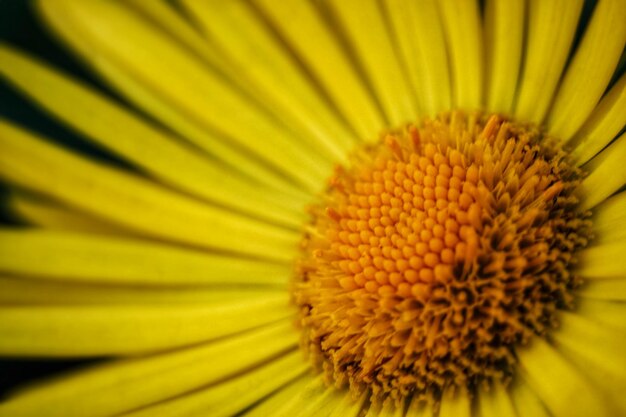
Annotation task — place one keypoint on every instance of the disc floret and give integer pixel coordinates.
(436, 253)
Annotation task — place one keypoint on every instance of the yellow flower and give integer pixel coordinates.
(436, 185)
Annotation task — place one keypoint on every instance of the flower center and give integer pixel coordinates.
(436, 253)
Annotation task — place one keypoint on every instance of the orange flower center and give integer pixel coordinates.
(436, 253)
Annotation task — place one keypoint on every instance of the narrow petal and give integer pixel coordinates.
(420, 409)
(455, 404)
(48, 214)
(278, 398)
(229, 397)
(461, 21)
(309, 394)
(609, 220)
(419, 30)
(496, 403)
(29, 161)
(590, 70)
(603, 261)
(367, 33)
(302, 27)
(95, 330)
(275, 77)
(113, 260)
(139, 382)
(135, 45)
(324, 404)
(551, 29)
(606, 121)
(588, 344)
(504, 35)
(526, 402)
(609, 313)
(117, 129)
(560, 385)
(29, 291)
(390, 410)
(349, 407)
(604, 289)
(607, 174)
(159, 107)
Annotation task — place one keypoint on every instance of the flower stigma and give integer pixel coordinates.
(437, 253)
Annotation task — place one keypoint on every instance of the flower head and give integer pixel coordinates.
(336, 208)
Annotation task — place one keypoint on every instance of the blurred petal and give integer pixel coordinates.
(304, 30)
(98, 330)
(115, 128)
(462, 25)
(234, 395)
(590, 70)
(558, 383)
(603, 261)
(85, 258)
(136, 47)
(605, 122)
(496, 403)
(367, 33)
(504, 36)
(419, 31)
(607, 174)
(138, 382)
(124, 198)
(550, 31)
(526, 402)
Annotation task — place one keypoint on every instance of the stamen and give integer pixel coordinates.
(437, 253)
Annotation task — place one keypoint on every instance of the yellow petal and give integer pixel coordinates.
(455, 404)
(599, 352)
(229, 397)
(95, 330)
(609, 313)
(389, 409)
(419, 31)
(124, 385)
(117, 129)
(114, 260)
(605, 122)
(324, 404)
(309, 394)
(159, 107)
(364, 25)
(132, 201)
(420, 409)
(526, 402)
(133, 44)
(609, 220)
(32, 291)
(607, 174)
(461, 21)
(603, 261)
(275, 78)
(590, 70)
(496, 403)
(349, 407)
(277, 399)
(558, 383)
(551, 29)
(604, 289)
(504, 34)
(51, 215)
(304, 30)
